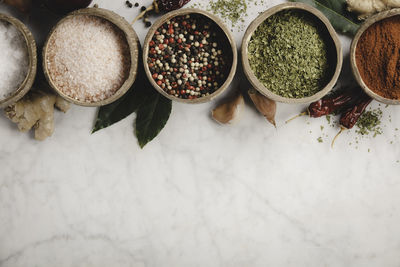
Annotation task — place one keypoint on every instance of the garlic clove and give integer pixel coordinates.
(264, 105)
(228, 112)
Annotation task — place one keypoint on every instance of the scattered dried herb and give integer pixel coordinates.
(233, 10)
(369, 123)
(288, 54)
(328, 118)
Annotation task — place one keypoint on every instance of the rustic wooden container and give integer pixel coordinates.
(218, 22)
(132, 40)
(369, 22)
(26, 85)
(332, 35)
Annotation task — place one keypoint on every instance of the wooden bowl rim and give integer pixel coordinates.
(216, 20)
(26, 85)
(368, 23)
(258, 85)
(131, 38)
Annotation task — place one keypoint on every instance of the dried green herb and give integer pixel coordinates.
(369, 123)
(233, 10)
(320, 140)
(288, 54)
(328, 118)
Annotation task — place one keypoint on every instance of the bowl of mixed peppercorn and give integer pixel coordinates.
(190, 56)
(292, 54)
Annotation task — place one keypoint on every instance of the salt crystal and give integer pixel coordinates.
(88, 58)
(14, 59)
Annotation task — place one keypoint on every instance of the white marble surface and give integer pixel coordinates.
(200, 194)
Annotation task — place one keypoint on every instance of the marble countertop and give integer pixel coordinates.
(200, 194)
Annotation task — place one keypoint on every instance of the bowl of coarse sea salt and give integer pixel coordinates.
(90, 57)
(18, 60)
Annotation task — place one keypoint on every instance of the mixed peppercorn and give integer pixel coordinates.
(187, 57)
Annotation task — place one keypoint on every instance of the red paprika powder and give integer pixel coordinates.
(378, 57)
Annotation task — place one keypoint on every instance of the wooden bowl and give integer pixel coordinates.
(26, 85)
(331, 34)
(372, 20)
(133, 43)
(218, 22)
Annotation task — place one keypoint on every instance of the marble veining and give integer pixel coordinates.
(200, 194)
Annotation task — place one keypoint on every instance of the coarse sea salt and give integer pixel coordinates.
(14, 59)
(88, 58)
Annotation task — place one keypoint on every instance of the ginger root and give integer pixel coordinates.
(227, 113)
(36, 110)
(366, 8)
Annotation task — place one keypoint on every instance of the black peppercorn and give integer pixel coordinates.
(129, 4)
(143, 8)
(136, 4)
(148, 24)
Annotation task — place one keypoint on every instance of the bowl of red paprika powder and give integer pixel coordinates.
(190, 56)
(375, 57)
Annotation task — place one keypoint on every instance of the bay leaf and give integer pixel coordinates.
(152, 116)
(335, 11)
(123, 107)
(126, 105)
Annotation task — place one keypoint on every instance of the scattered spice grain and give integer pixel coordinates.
(128, 4)
(88, 58)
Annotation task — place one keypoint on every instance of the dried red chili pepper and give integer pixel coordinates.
(330, 103)
(162, 6)
(350, 117)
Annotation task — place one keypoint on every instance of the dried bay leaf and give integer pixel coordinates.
(152, 116)
(335, 11)
(123, 107)
(153, 110)
(127, 104)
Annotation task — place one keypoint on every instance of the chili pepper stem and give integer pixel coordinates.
(141, 15)
(334, 139)
(297, 116)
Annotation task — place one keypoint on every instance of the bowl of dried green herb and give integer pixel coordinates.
(292, 54)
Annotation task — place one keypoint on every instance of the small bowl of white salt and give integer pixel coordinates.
(18, 60)
(90, 57)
